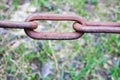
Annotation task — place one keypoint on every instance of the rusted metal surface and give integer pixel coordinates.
(55, 17)
(20, 25)
(100, 28)
(80, 26)
(97, 24)
(53, 35)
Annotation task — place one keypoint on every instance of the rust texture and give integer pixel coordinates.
(19, 25)
(80, 26)
(98, 28)
(53, 35)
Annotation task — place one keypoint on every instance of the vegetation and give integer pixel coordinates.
(92, 57)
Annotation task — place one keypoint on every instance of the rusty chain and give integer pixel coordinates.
(80, 26)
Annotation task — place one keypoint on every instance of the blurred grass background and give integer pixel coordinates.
(92, 57)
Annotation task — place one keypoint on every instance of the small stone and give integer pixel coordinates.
(110, 62)
(46, 69)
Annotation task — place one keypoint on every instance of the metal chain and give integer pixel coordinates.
(80, 26)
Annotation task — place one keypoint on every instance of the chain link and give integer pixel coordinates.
(19, 25)
(80, 26)
(98, 27)
(54, 35)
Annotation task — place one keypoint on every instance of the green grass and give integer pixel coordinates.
(115, 70)
(117, 15)
(40, 4)
(79, 7)
(90, 50)
(93, 1)
(15, 4)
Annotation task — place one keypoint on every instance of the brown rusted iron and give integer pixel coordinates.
(109, 24)
(80, 26)
(98, 27)
(19, 25)
(53, 35)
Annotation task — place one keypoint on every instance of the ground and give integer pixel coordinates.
(91, 57)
